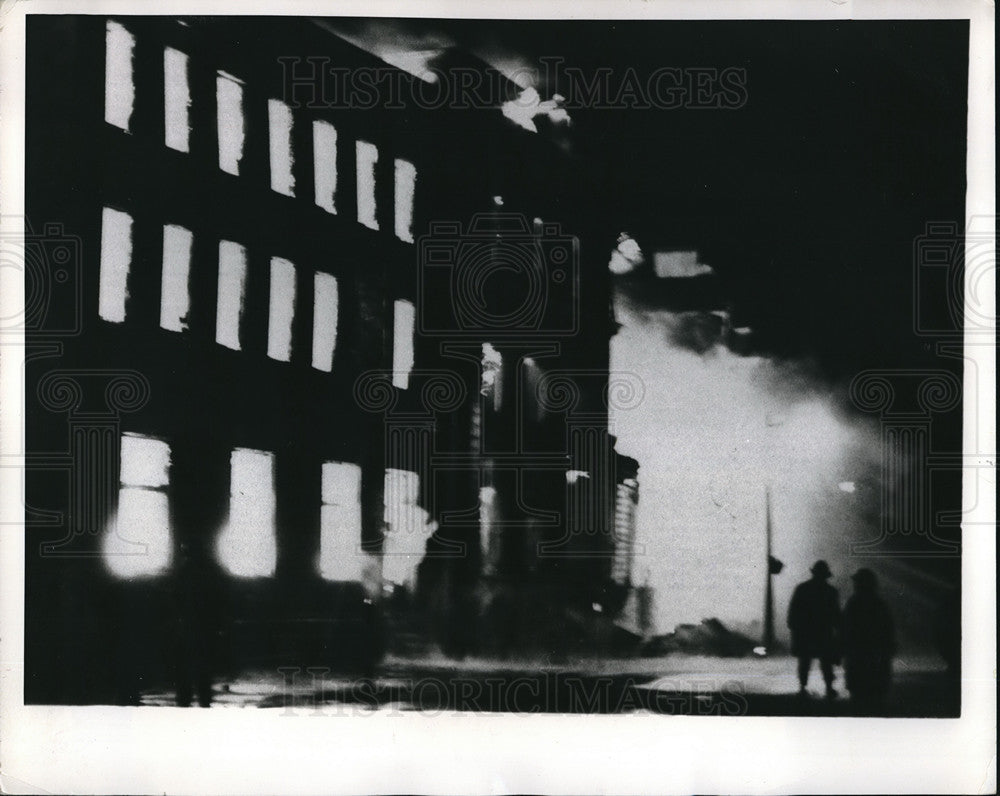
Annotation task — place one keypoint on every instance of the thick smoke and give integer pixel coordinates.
(719, 426)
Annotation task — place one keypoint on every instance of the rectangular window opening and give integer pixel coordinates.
(175, 298)
(487, 527)
(406, 185)
(247, 546)
(325, 309)
(231, 121)
(280, 127)
(367, 158)
(176, 100)
(491, 381)
(116, 259)
(137, 542)
(402, 343)
(532, 378)
(119, 79)
(232, 286)
(325, 165)
(407, 526)
(282, 310)
(340, 556)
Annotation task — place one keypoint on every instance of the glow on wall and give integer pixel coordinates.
(247, 546)
(340, 556)
(137, 541)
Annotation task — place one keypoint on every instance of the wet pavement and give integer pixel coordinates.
(674, 685)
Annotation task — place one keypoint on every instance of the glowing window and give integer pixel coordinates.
(137, 541)
(231, 123)
(247, 546)
(367, 158)
(119, 84)
(232, 283)
(406, 185)
(402, 343)
(116, 259)
(532, 378)
(324, 321)
(325, 164)
(174, 295)
(282, 310)
(340, 556)
(491, 381)
(408, 526)
(626, 497)
(176, 100)
(487, 526)
(280, 126)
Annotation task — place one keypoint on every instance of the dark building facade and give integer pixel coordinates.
(322, 371)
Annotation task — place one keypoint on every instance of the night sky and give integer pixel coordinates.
(806, 199)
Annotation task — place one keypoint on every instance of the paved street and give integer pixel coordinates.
(678, 685)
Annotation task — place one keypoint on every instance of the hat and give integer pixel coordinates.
(864, 577)
(821, 569)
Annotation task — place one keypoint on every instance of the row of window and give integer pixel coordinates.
(138, 541)
(175, 298)
(119, 101)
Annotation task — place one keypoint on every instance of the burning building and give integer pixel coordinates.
(310, 359)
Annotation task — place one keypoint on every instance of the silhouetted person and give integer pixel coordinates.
(814, 619)
(198, 595)
(869, 644)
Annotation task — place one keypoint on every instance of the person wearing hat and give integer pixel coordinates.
(814, 621)
(869, 644)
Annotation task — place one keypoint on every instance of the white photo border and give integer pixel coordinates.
(118, 749)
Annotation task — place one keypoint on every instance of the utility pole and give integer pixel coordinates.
(768, 594)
